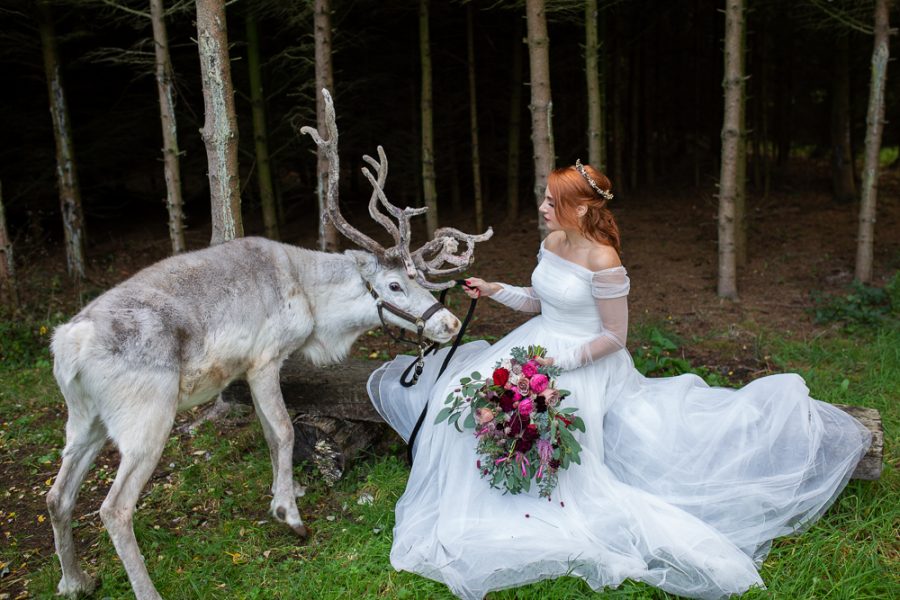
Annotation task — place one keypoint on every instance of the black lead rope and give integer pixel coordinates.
(432, 348)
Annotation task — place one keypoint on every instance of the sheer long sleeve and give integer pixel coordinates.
(610, 290)
(518, 298)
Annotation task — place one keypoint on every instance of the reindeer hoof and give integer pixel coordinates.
(75, 586)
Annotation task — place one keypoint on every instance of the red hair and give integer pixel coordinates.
(571, 190)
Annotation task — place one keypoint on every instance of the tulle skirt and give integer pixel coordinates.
(681, 485)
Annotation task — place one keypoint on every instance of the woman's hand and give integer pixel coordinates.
(476, 288)
(546, 362)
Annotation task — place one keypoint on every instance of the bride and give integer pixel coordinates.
(681, 485)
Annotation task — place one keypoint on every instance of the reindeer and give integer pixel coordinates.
(178, 332)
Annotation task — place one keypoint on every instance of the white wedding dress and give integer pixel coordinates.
(681, 485)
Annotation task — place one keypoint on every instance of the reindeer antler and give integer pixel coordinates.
(425, 261)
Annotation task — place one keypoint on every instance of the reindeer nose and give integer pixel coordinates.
(451, 324)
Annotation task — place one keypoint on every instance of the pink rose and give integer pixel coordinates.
(539, 383)
(524, 385)
(484, 415)
(530, 369)
(525, 407)
(551, 396)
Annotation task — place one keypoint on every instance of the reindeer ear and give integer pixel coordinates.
(366, 262)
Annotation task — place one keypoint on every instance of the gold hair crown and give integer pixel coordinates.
(604, 193)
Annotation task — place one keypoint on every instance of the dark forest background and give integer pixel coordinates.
(665, 57)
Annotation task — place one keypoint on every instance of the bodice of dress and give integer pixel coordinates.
(569, 293)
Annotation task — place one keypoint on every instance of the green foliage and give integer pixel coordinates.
(25, 344)
(888, 155)
(861, 306)
(656, 357)
(203, 528)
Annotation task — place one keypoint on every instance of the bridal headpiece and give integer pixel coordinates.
(603, 193)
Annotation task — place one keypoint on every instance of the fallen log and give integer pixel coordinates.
(335, 416)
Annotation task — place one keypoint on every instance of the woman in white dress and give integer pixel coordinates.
(681, 485)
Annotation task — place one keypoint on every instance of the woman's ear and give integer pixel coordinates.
(581, 210)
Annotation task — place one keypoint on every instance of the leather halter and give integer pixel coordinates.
(420, 342)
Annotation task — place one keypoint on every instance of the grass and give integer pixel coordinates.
(203, 528)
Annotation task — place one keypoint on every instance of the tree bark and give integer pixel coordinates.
(260, 131)
(740, 197)
(635, 112)
(165, 86)
(842, 181)
(66, 172)
(220, 133)
(874, 125)
(328, 235)
(515, 127)
(7, 264)
(618, 114)
(473, 119)
(592, 71)
(650, 85)
(427, 111)
(731, 137)
(541, 101)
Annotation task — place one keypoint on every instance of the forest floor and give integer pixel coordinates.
(800, 244)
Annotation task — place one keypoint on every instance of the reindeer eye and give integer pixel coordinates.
(395, 287)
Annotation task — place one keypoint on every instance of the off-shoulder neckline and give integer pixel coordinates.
(575, 264)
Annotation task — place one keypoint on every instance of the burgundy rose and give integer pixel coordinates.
(523, 445)
(531, 432)
(514, 425)
(500, 376)
(507, 400)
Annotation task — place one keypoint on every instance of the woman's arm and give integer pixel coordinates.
(610, 290)
(517, 298)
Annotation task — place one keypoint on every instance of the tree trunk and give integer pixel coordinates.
(541, 101)
(618, 106)
(874, 125)
(66, 173)
(843, 184)
(592, 71)
(7, 264)
(220, 133)
(635, 125)
(473, 113)
(427, 109)
(650, 84)
(740, 197)
(515, 127)
(260, 135)
(731, 138)
(328, 235)
(165, 86)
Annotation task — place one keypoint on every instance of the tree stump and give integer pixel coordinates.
(335, 421)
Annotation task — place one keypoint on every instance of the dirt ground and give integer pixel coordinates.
(799, 242)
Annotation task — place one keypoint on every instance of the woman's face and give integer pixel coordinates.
(548, 211)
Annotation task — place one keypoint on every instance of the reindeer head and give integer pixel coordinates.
(396, 276)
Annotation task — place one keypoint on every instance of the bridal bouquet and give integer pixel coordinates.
(523, 433)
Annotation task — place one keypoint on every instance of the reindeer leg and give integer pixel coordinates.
(84, 439)
(141, 443)
(276, 424)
